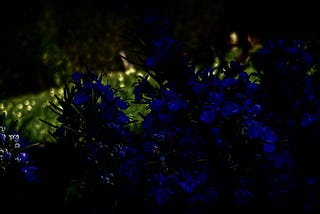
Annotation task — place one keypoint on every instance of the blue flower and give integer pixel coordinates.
(122, 104)
(80, 99)
(254, 129)
(283, 160)
(149, 146)
(268, 135)
(312, 180)
(138, 93)
(157, 105)
(164, 43)
(3, 137)
(188, 186)
(243, 76)
(252, 88)
(227, 82)
(122, 118)
(209, 196)
(229, 108)
(255, 110)
(208, 115)
(215, 98)
(164, 118)
(268, 147)
(101, 87)
(197, 88)
(77, 76)
(30, 173)
(109, 96)
(161, 196)
(147, 122)
(307, 120)
(243, 197)
(131, 170)
(177, 105)
(151, 61)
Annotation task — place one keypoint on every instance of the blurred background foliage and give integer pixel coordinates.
(44, 42)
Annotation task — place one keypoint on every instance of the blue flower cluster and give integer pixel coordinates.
(94, 125)
(188, 138)
(14, 156)
(212, 139)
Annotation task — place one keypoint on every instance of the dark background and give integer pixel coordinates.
(42, 42)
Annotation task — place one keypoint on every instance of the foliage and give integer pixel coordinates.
(25, 111)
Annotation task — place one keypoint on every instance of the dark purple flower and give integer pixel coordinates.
(243, 76)
(164, 118)
(122, 118)
(209, 196)
(215, 98)
(243, 197)
(149, 146)
(229, 108)
(77, 76)
(122, 104)
(306, 120)
(269, 147)
(252, 88)
(268, 135)
(157, 105)
(80, 99)
(151, 61)
(177, 105)
(161, 196)
(208, 115)
(227, 82)
(30, 173)
(254, 129)
(101, 88)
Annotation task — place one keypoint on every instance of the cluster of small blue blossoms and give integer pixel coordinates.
(213, 147)
(188, 137)
(93, 124)
(9, 145)
(213, 138)
(13, 156)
